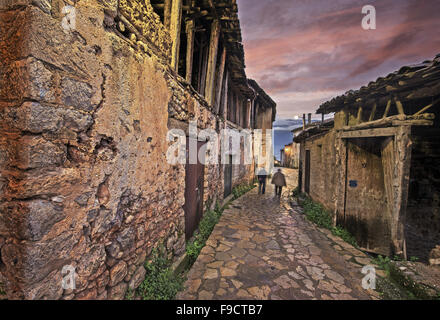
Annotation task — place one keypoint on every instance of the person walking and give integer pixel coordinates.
(279, 180)
(262, 177)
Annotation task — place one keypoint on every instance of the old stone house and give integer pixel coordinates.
(376, 165)
(88, 92)
(290, 155)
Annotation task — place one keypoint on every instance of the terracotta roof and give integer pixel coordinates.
(314, 129)
(409, 83)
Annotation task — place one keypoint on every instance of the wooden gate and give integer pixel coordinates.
(194, 191)
(228, 177)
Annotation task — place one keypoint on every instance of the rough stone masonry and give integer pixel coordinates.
(84, 115)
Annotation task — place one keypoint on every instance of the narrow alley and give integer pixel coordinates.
(263, 249)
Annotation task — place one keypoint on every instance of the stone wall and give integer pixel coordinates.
(322, 169)
(84, 180)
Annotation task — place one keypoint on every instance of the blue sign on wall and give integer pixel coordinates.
(353, 183)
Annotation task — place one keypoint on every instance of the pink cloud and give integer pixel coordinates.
(299, 47)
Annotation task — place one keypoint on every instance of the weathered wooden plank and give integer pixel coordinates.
(401, 186)
(412, 123)
(167, 13)
(373, 113)
(369, 133)
(427, 107)
(175, 28)
(393, 120)
(388, 165)
(190, 32)
(387, 109)
(225, 105)
(399, 106)
(219, 81)
(212, 61)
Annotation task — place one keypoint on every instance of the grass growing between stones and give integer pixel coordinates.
(242, 190)
(2, 291)
(400, 286)
(317, 214)
(160, 282)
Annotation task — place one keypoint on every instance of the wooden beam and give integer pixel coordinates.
(219, 82)
(373, 113)
(190, 32)
(388, 165)
(237, 110)
(427, 107)
(212, 61)
(412, 123)
(399, 106)
(387, 109)
(397, 120)
(359, 115)
(167, 14)
(225, 97)
(369, 133)
(403, 148)
(175, 26)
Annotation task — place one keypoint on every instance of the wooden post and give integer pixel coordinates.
(225, 97)
(167, 13)
(237, 109)
(309, 118)
(322, 117)
(387, 109)
(190, 32)
(304, 121)
(373, 113)
(341, 180)
(399, 106)
(175, 26)
(248, 113)
(403, 165)
(359, 115)
(212, 61)
(219, 82)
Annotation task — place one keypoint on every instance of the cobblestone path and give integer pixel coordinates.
(263, 249)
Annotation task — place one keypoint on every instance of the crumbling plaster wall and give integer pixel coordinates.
(84, 180)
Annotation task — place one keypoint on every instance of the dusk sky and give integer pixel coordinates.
(304, 53)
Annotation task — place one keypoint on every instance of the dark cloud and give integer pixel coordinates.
(305, 52)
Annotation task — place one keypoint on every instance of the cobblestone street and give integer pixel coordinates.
(263, 249)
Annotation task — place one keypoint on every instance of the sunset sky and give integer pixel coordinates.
(306, 52)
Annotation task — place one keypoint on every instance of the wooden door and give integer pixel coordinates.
(228, 177)
(366, 208)
(194, 192)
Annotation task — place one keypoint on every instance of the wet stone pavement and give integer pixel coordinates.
(263, 249)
